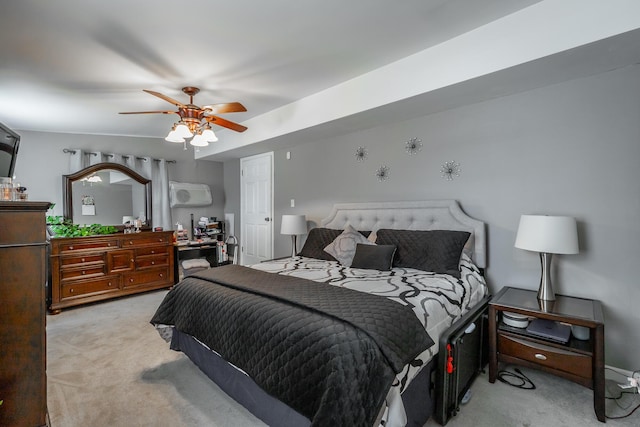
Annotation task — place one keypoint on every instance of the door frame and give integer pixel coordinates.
(270, 155)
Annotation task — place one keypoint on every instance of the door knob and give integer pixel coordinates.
(267, 219)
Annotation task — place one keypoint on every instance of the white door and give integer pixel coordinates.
(256, 207)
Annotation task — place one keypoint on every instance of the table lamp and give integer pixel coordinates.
(547, 235)
(293, 225)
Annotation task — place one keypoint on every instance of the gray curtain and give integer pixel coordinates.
(154, 169)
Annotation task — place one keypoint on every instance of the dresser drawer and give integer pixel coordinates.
(132, 242)
(84, 271)
(151, 261)
(85, 245)
(147, 278)
(544, 355)
(154, 250)
(88, 287)
(81, 259)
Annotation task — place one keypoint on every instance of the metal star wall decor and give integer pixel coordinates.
(450, 170)
(413, 146)
(361, 154)
(382, 173)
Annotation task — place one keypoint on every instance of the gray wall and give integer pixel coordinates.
(568, 149)
(41, 164)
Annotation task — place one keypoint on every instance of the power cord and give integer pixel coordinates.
(635, 375)
(516, 379)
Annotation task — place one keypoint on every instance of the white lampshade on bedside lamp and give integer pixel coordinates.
(293, 225)
(548, 235)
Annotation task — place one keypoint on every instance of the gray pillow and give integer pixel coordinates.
(435, 250)
(317, 239)
(343, 247)
(374, 257)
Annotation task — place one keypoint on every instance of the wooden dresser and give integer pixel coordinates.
(95, 268)
(23, 248)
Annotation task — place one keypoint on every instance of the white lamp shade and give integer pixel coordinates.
(199, 141)
(183, 131)
(549, 234)
(209, 135)
(293, 224)
(174, 137)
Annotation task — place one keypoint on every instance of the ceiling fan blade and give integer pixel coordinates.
(225, 123)
(148, 112)
(229, 107)
(165, 97)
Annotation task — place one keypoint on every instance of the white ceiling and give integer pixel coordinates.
(71, 65)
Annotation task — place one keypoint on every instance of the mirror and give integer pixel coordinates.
(105, 193)
(9, 141)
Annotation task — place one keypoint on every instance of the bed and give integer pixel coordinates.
(345, 333)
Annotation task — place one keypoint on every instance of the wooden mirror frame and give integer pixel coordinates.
(68, 180)
(10, 148)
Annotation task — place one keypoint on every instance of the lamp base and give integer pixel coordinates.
(294, 245)
(545, 292)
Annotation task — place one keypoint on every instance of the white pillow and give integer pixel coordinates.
(195, 263)
(343, 247)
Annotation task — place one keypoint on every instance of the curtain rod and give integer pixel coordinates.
(70, 151)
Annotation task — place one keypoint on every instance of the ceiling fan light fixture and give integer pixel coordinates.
(199, 141)
(195, 120)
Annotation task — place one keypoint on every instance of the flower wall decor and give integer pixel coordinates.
(413, 146)
(361, 154)
(382, 173)
(450, 170)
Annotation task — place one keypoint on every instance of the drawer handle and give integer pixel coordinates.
(153, 252)
(108, 244)
(131, 280)
(131, 242)
(71, 290)
(82, 259)
(161, 275)
(540, 356)
(70, 248)
(84, 272)
(131, 260)
(110, 284)
(153, 263)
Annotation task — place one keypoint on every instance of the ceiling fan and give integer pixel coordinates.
(195, 121)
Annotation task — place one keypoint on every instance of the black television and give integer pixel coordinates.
(9, 142)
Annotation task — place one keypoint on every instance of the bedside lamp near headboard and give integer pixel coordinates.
(547, 235)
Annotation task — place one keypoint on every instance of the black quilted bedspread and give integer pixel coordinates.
(330, 353)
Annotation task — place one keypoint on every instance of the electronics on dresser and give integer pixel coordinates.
(548, 329)
(515, 320)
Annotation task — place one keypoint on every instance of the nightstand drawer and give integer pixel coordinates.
(544, 355)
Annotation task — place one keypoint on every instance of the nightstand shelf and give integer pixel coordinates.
(578, 361)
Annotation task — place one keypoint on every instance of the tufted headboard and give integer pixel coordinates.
(411, 215)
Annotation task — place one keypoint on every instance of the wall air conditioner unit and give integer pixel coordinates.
(183, 194)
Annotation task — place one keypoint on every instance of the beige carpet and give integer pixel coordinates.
(107, 366)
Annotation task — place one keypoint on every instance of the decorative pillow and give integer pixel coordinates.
(343, 248)
(317, 240)
(434, 250)
(374, 257)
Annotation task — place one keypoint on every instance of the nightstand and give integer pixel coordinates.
(578, 361)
